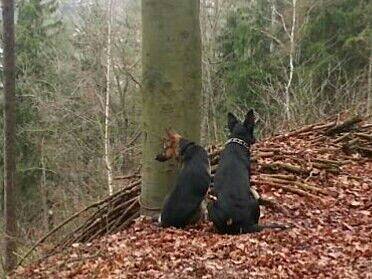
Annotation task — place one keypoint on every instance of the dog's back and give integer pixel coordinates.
(235, 210)
(182, 206)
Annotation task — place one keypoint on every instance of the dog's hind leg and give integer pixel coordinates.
(198, 215)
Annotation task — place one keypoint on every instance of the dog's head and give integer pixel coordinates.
(243, 131)
(171, 145)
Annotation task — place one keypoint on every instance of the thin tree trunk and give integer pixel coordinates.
(369, 89)
(123, 124)
(273, 22)
(107, 105)
(43, 190)
(206, 74)
(291, 57)
(171, 88)
(215, 127)
(205, 130)
(10, 232)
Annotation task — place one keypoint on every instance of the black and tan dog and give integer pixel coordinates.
(235, 209)
(182, 206)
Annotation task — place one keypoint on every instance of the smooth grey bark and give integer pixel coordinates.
(171, 88)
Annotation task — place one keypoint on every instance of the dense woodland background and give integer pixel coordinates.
(294, 61)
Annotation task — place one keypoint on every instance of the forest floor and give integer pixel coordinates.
(331, 235)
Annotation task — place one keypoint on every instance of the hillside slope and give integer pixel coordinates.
(322, 177)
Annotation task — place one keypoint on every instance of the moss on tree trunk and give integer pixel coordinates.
(171, 88)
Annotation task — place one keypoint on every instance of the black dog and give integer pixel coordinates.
(236, 210)
(182, 206)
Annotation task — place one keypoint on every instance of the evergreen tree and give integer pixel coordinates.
(35, 28)
(8, 63)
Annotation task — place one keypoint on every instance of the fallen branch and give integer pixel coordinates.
(342, 138)
(280, 176)
(287, 188)
(273, 205)
(298, 184)
(54, 230)
(332, 162)
(365, 151)
(286, 166)
(364, 136)
(329, 167)
(127, 176)
(344, 126)
(315, 189)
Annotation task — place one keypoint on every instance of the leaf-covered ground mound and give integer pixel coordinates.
(322, 178)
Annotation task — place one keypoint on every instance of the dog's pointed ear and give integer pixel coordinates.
(249, 119)
(231, 121)
(172, 135)
(169, 133)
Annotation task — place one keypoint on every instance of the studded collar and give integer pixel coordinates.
(238, 141)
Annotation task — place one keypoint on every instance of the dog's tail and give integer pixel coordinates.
(260, 227)
(273, 205)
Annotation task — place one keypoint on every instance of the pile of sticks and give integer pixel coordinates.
(287, 161)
